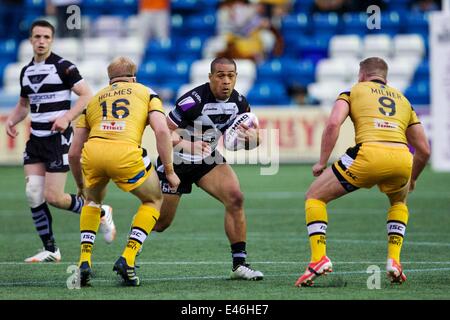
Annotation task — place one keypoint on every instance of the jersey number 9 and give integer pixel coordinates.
(389, 104)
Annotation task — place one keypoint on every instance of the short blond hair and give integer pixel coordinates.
(121, 67)
(374, 66)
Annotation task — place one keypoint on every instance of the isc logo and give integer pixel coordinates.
(135, 233)
(396, 227)
(88, 236)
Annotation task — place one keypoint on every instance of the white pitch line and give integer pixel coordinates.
(36, 283)
(218, 262)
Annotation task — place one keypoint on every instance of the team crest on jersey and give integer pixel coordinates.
(112, 125)
(186, 103)
(36, 76)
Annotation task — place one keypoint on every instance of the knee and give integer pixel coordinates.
(34, 190)
(235, 200)
(56, 199)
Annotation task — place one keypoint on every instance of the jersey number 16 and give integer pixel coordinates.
(119, 109)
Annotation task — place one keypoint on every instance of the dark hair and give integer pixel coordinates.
(42, 23)
(222, 60)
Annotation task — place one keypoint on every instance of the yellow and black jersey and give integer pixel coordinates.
(120, 112)
(379, 112)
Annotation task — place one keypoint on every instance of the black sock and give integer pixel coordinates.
(77, 203)
(238, 253)
(43, 223)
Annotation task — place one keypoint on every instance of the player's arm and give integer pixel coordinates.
(330, 134)
(84, 93)
(181, 144)
(19, 113)
(79, 138)
(415, 134)
(157, 121)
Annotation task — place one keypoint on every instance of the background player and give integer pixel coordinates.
(107, 139)
(384, 123)
(204, 113)
(46, 85)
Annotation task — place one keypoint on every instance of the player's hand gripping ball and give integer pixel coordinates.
(231, 139)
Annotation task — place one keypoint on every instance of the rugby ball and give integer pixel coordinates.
(230, 139)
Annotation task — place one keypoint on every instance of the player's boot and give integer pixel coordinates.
(314, 270)
(107, 226)
(244, 272)
(85, 274)
(127, 273)
(395, 271)
(45, 256)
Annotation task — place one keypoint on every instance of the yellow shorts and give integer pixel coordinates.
(126, 164)
(372, 163)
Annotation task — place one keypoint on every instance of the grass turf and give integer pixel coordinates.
(192, 260)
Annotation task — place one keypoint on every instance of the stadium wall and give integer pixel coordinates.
(289, 135)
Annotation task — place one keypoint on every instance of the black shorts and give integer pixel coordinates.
(188, 173)
(52, 151)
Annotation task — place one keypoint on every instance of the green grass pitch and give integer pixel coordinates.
(191, 260)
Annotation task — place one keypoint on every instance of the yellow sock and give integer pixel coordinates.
(143, 222)
(316, 222)
(89, 223)
(397, 220)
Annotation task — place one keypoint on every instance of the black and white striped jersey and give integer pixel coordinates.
(48, 86)
(205, 118)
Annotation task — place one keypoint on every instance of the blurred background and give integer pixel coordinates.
(294, 56)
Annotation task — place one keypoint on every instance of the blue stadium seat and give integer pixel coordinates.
(158, 49)
(201, 25)
(270, 71)
(354, 23)
(123, 8)
(95, 8)
(178, 73)
(3, 65)
(8, 50)
(397, 5)
(153, 71)
(303, 6)
(313, 48)
(185, 5)
(422, 72)
(416, 22)
(294, 24)
(418, 93)
(36, 6)
(299, 72)
(177, 25)
(325, 23)
(268, 93)
(190, 48)
(209, 6)
(390, 24)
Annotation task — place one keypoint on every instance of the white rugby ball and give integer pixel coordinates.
(230, 139)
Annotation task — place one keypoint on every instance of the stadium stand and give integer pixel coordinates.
(320, 48)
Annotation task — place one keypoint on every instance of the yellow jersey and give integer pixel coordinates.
(120, 112)
(379, 112)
